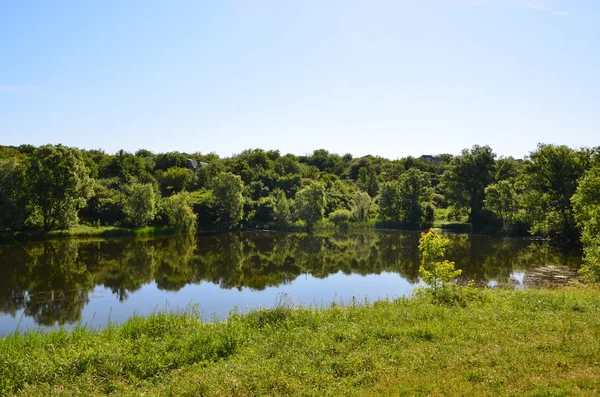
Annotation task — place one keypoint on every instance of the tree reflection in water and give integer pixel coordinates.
(50, 281)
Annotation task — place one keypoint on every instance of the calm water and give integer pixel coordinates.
(66, 282)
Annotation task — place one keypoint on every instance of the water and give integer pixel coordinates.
(94, 282)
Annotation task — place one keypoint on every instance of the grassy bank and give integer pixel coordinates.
(532, 343)
(86, 231)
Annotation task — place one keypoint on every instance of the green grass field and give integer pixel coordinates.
(522, 343)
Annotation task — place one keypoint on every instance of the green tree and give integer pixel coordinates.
(367, 180)
(586, 206)
(415, 195)
(361, 205)
(435, 272)
(13, 196)
(466, 178)
(310, 204)
(282, 212)
(179, 212)
(406, 200)
(174, 180)
(389, 202)
(140, 204)
(551, 179)
(59, 184)
(503, 200)
(228, 199)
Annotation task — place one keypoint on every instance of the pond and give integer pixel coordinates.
(94, 282)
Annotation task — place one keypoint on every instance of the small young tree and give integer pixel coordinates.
(435, 272)
(140, 204)
(283, 215)
(361, 204)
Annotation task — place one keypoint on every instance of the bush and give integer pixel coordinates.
(434, 272)
(340, 217)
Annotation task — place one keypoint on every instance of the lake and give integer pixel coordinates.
(96, 281)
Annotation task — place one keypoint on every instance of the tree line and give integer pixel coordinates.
(551, 192)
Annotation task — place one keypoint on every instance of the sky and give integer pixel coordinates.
(381, 77)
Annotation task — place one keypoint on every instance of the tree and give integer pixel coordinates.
(282, 213)
(434, 272)
(310, 204)
(179, 212)
(228, 199)
(13, 196)
(415, 195)
(59, 184)
(466, 178)
(140, 204)
(503, 200)
(586, 206)
(551, 179)
(361, 205)
(367, 180)
(174, 180)
(389, 202)
(406, 200)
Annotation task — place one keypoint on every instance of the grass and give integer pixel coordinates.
(87, 231)
(522, 343)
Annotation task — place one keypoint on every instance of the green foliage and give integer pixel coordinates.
(13, 198)
(282, 213)
(361, 205)
(124, 166)
(340, 217)
(406, 200)
(504, 201)
(586, 206)
(164, 161)
(140, 204)
(415, 196)
(106, 205)
(265, 210)
(504, 196)
(466, 178)
(59, 184)
(367, 180)
(178, 210)
(551, 179)
(228, 199)
(434, 272)
(174, 180)
(309, 204)
(389, 202)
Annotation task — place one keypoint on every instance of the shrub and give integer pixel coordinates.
(435, 272)
(340, 217)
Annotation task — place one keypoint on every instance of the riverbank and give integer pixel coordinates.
(502, 342)
(86, 231)
(113, 231)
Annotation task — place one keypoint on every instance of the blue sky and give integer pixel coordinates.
(390, 78)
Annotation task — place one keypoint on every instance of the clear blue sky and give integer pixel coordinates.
(390, 78)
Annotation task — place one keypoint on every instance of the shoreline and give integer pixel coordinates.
(532, 342)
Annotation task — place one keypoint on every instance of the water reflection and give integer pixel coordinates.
(51, 282)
